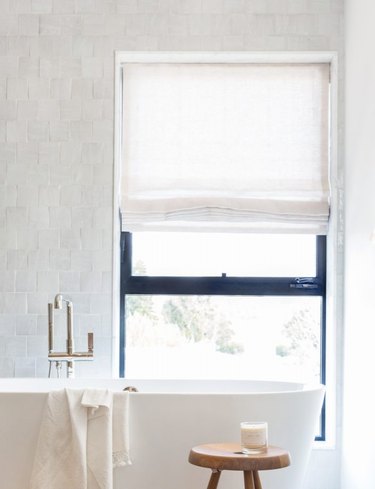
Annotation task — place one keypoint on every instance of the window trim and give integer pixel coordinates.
(225, 286)
(334, 299)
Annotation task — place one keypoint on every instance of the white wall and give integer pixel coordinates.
(359, 426)
(56, 145)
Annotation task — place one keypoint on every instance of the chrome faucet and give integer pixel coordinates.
(69, 356)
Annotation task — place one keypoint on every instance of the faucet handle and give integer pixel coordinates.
(90, 342)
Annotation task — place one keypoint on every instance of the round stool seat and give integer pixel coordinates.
(228, 456)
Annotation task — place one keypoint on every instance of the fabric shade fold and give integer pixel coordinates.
(233, 146)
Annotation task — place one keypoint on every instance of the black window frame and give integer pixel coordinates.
(223, 285)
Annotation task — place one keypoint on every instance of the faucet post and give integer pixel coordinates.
(70, 340)
(69, 356)
(50, 327)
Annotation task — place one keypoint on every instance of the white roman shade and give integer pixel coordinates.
(240, 147)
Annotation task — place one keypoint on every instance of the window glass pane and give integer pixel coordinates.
(223, 337)
(212, 254)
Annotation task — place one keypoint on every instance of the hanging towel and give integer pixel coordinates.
(120, 430)
(99, 438)
(82, 434)
(60, 459)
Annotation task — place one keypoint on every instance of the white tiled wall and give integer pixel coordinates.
(56, 142)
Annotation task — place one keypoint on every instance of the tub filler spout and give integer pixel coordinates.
(69, 356)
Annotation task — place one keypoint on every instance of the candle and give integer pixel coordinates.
(254, 436)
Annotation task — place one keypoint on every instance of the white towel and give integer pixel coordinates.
(99, 438)
(82, 432)
(120, 427)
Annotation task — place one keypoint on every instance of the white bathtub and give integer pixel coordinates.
(167, 418)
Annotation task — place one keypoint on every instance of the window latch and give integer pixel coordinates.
(303, 283)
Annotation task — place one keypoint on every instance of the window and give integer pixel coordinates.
(224, 211)
(223, 325)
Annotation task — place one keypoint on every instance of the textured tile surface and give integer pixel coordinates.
(56, 133)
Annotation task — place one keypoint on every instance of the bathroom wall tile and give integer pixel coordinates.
(49, 153)
(59, 131)
(60, 259)
(18, 47)
(39, 88)
(27, 195)
(91, 239)
(16, 259)
(26, 325)
(89, 323)
(82, 302)
(38, 218)
(37, 302)
(48, 110)
(81, 260)
(8, 110)
(103, 89)
(70, 153)
(7, 325)
(8, 195)
(92, 110)
(60, 217)
(50, 25)
(70, 195)
(25, 281)
(49, 195)
(41, 6)
(61, 89)
(7, 283)
(27, 109)
(69, 282)
(24, 367)
(9, 64)
(91, 282)
(7, 367)
(47, 281)
(17, 217)
(15, 346)
(17, 88)
(81, 131)
(3, 259)
(70, 239)
(16, 131)
(27, 239)
(38, 131)
(9, 25)
(63, 6)
(42, 367)
(82, 89)
(8, 154)
(37, 346)
(48, 238)
(37, 259)
(2, 347)
(28, 24)
(28, 67)
(28, 154)
(3, 130)
(92, 67)
(107, 282)
(56, 139)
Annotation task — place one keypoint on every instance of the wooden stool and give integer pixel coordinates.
(228, 456)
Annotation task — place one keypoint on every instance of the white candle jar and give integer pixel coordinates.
(254, 437)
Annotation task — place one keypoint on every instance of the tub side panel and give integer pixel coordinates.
(165, 427)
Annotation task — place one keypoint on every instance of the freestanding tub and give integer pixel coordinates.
(167, 418)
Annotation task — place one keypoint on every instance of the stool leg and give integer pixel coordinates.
(214, 479)
(258, 484)
(248, 479)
